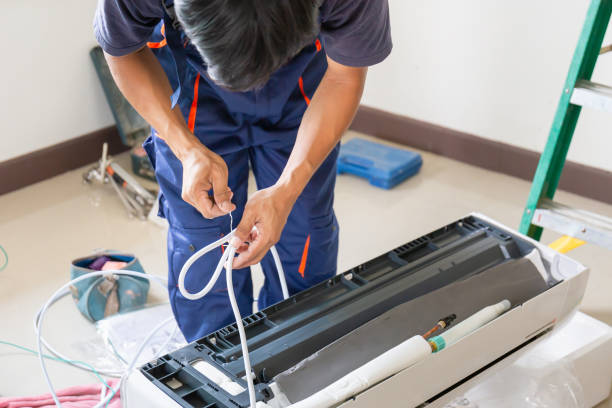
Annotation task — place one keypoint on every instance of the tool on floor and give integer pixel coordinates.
(138, 201)
(384, 166)
(541, 211)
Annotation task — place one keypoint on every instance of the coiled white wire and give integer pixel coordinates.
(226, 261)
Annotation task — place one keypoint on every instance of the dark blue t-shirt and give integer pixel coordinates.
(353, 32)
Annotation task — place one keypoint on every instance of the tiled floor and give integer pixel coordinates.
(44, 226)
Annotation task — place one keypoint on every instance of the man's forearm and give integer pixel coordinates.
(331, 111)
(145, 85)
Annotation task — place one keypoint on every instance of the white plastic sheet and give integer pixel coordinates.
(124, 333)
(533, 381)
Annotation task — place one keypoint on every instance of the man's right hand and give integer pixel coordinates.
(145, 85)
(204, 170)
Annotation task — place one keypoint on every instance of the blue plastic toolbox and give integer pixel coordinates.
(384, 166)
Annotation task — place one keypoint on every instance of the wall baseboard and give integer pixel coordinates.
(50, 161)
(577, 178)
(500, 157)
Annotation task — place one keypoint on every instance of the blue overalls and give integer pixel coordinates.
(245, 128)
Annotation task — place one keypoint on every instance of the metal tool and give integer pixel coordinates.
(137, 200)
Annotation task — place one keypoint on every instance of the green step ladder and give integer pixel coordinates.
(541, 211)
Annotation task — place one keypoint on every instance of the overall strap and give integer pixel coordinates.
(179, 60)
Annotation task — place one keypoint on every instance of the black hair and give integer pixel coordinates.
(244, 41)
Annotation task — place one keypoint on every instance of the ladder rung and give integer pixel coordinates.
(581, 224)
(592, 95)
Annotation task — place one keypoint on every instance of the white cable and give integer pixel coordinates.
(61, 292)
(195, 257)
(281, 274)
(248, 372)
(77, 364)
(226, 260)
(207, 288)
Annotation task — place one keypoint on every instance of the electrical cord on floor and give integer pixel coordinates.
(226, 261)
(5, 263)
(63, 291)
(61, 360)
(86, 367)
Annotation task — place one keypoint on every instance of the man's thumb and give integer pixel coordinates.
(242, 231)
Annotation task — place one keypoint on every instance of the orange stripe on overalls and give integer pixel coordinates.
(194, 105)
(161, 43)
(302, 267)
(301, 80)
(306, 98)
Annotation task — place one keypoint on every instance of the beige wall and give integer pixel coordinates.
(50, 92)
(493, 68)
(489, 67)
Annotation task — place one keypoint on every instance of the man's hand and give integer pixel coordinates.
(204, 170)
(264, 218)
(144, 83)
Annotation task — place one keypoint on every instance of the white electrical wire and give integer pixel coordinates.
(63, 291)
(248, 371)
(207, 288)
(281, 274)
(226, 260)
(76, 364)
(216, 273)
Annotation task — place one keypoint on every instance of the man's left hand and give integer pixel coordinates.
(264, 218)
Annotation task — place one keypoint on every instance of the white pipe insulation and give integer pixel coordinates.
(398, 358)
(470, 324)
(408, 353)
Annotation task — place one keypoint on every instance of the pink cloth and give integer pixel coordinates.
(79, 396)
(113, 265)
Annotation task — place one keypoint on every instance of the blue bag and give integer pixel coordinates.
(99, 297)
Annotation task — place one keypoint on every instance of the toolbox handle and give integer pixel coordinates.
(356, 165)
(357, 161)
